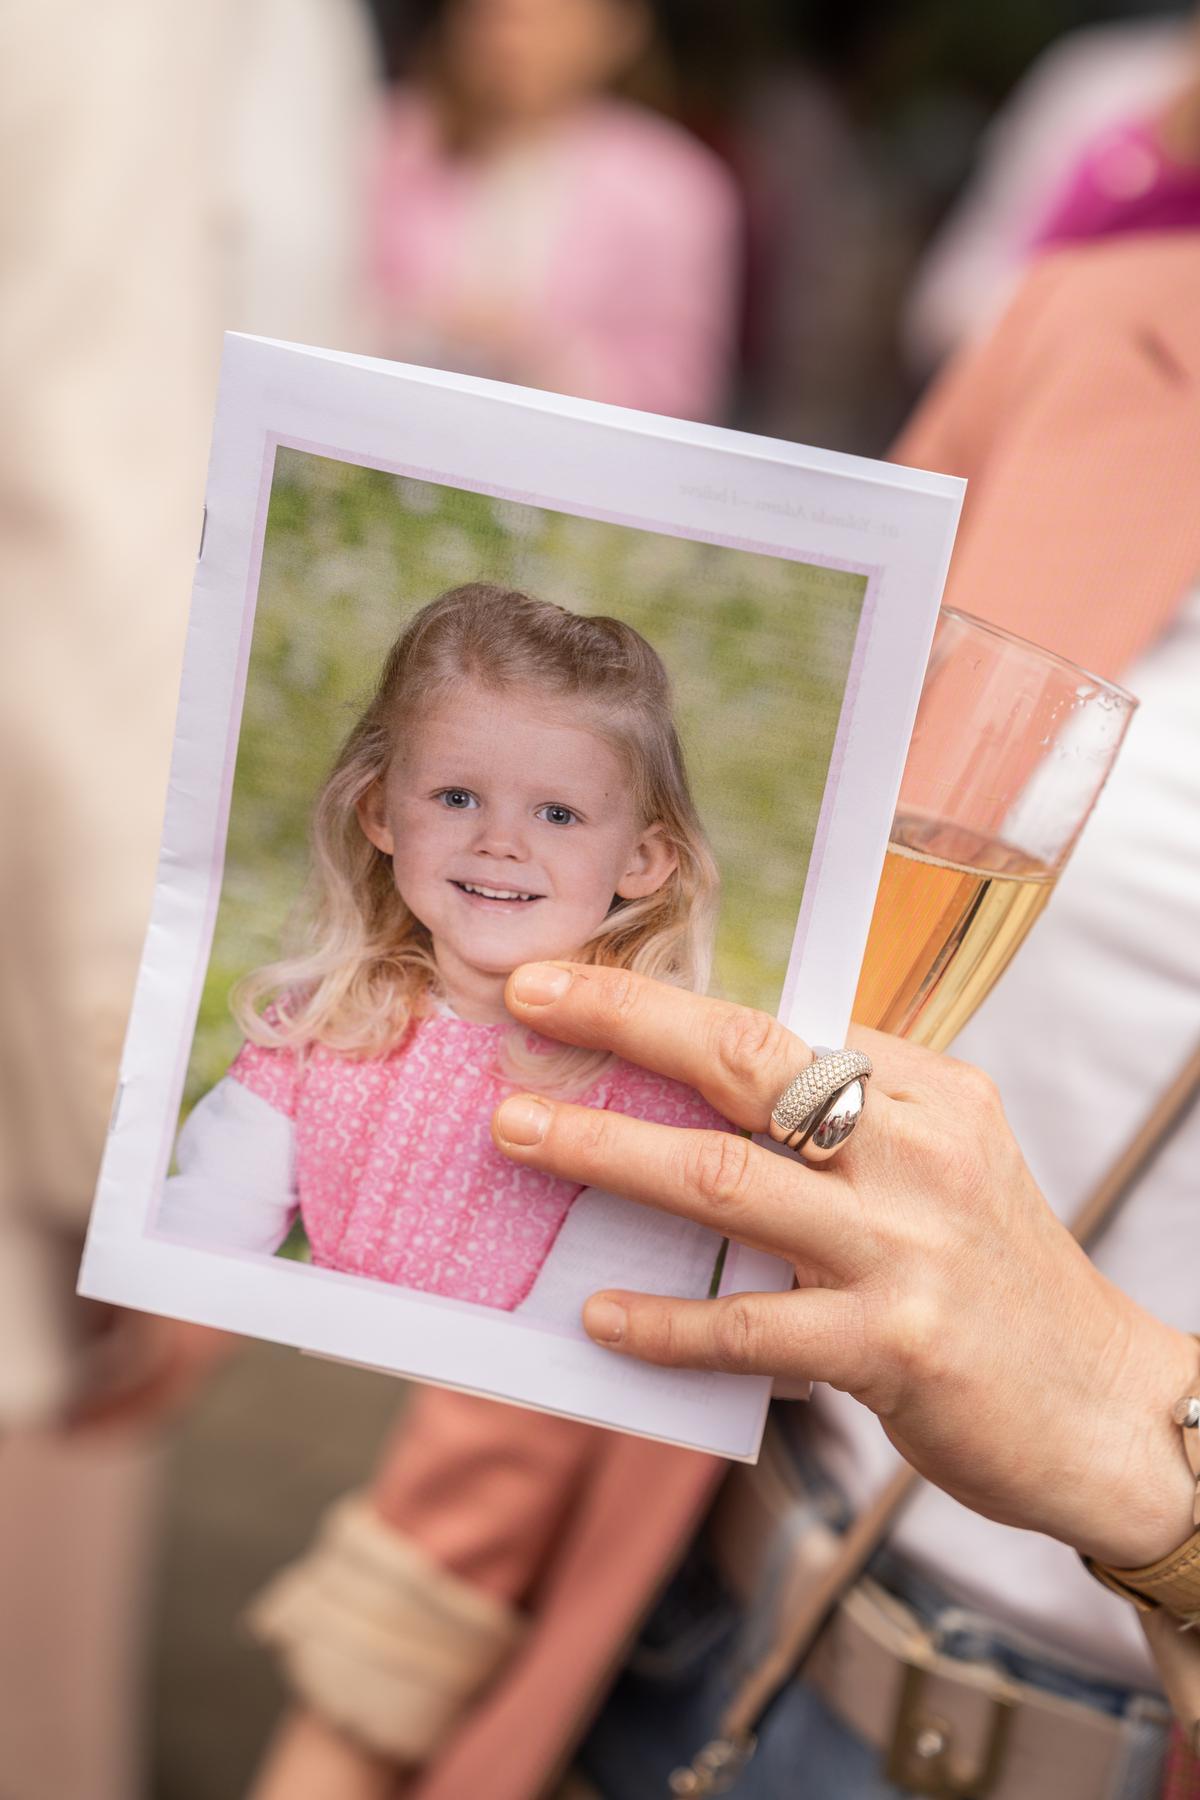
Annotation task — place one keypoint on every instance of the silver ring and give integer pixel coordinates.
(817, 1112)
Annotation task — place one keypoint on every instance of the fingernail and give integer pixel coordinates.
(537, 984)
(605, 1321)
(523, 1119)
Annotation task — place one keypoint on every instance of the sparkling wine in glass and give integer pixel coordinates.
(1011, 748)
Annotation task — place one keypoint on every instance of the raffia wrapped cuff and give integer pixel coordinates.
(376, 1637)
(1173, 1583)
(1167, 1594)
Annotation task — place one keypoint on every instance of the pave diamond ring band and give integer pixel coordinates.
(816, 1112)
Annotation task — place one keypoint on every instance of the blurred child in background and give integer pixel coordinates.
(529, 225)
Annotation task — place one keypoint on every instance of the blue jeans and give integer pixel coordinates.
(668, 1700)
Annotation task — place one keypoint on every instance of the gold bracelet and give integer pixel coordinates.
(1173, 1582)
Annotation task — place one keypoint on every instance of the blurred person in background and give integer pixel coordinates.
(530, 225)
(174, 169)
(458, 1624)
(1141, 174)
(1099, 80)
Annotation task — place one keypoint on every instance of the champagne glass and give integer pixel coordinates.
(1011, 748)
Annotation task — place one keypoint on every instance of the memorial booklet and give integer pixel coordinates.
(477, 676)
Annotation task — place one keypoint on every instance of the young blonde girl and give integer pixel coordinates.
(514, 791)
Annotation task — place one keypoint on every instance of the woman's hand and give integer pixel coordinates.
(933, 1283)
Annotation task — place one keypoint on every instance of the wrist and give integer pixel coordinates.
(1142, 1511)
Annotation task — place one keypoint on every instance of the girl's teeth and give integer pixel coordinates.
(495, 893)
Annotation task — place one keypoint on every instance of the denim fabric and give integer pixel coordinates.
(691, 1654)
(666, 1704)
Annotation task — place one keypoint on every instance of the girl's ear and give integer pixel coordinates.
(653, 862)
(372, 816)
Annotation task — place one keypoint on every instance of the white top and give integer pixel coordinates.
(236, 1180)
(1097, 1014)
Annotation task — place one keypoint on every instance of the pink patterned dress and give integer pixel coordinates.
(395, 1173)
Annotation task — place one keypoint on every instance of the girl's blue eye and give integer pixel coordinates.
(556, 815)
(458, 799)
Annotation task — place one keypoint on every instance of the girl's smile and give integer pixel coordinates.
(511, 829)
(494, 896)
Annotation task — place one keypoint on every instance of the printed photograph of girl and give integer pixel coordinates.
(514, 788)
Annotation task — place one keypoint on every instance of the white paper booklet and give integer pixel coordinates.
(474, 676)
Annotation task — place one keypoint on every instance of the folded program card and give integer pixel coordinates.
(477, 676)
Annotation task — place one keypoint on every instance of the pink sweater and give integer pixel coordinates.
(1125, 182)
(608, 251)
(395, 1170)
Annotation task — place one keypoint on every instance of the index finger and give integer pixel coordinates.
(739, 1059)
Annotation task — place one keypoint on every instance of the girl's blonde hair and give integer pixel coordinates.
(365, 968)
